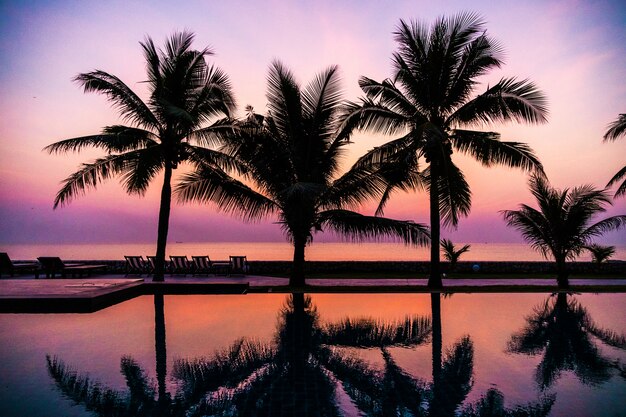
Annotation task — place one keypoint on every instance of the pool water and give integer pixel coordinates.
(320, 354)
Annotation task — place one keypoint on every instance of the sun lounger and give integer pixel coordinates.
(136, 265)
(180, 265)
(51, 265)
(238, 265)
(202, 265)
(10, 267)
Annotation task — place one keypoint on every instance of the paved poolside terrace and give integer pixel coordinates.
(25, 294)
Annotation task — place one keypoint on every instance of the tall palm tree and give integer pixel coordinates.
(561, 226)
(429, 101)
(617, 129)
(185, 94)
(292, 160)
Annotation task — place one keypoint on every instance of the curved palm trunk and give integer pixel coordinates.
(297, 269)
(164, 222)
(434, 281)
(160, 348)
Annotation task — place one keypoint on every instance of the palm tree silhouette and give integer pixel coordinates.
(617, 129)
(299, 373)
(428, 101)
(560, 227)
(292, 158)
(561, 330)
(451, 253)
(185, 94)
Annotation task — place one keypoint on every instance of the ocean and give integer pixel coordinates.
(281, 251)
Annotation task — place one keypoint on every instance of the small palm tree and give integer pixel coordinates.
(292, 159)
(561, 226)
(617, 129)
(564, 333)
(429, 102)
(452, 254)
(600, 253)
(185, 94)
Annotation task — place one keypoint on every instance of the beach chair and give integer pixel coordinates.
(238, 265)
(10, 267)
(136, 265)
(202, 265)
(51, 265)
(180, 265)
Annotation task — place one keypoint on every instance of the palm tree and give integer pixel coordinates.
(561, 226)
(292, 159)
(600, 253)
(451, 253)
(185, 94)
(617, 129)
(563, 332)
(429, 102)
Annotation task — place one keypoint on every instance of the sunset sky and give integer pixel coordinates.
(575, 51)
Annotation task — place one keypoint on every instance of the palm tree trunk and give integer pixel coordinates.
(434, 281)
(297, 269)
(160, 348)
(164, 223)
(561, 272)
(437, 345)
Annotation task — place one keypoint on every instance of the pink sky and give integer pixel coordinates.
(574, 50)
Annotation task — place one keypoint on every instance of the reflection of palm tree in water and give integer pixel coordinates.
(562, 329)
(299, 374)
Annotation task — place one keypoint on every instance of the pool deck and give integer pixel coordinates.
(25, 294)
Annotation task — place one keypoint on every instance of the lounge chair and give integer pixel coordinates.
(238, 265)
(51, 265)
(180, 265)
(202, 265)
(10, 267)
(136, 265)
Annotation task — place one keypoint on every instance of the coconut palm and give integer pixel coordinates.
(451, 253)
(561, 227)
(563, 332)
(298, 372)
(600, 253)
(617, 129)
(185, 95)
(292, 160)
(429, 102)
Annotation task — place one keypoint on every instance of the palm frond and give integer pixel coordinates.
(487, 149)
(113, 139)
(508, 100)
(211, 184)
(358, 227)
(92, 174)
(616, 128)
(621, 190)
(455, 197)
(129, 105)
(367, 332)
(370, 116)
(284, 100)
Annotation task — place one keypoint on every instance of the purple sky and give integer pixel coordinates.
(574, 50)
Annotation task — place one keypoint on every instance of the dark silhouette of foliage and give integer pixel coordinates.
(185, 94)
(429, 102)
(600, 253)
(562, 331)
(616, 130)
(451, 253)
(291, 158)
(561, 226)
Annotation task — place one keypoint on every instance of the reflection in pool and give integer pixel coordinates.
(325, 354)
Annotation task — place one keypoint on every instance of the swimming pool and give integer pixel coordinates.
(323, 354)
